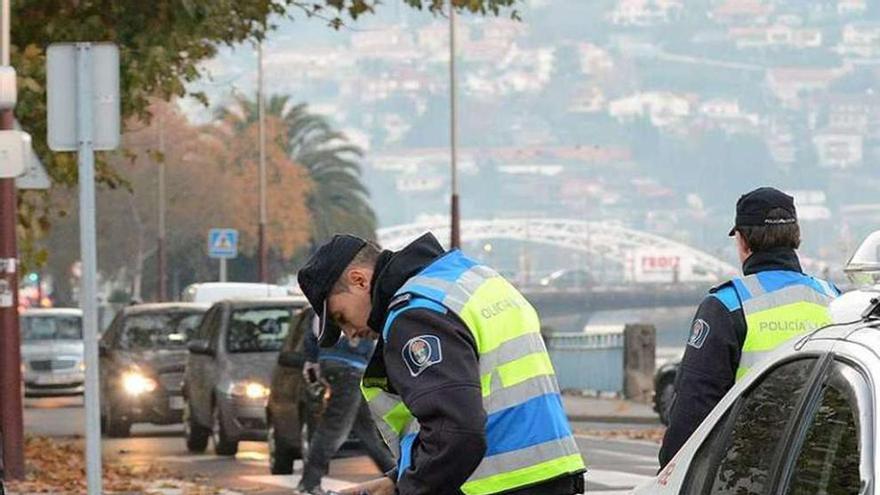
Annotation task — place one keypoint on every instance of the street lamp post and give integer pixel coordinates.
(263, 255)
(163, 296)
(455, 232)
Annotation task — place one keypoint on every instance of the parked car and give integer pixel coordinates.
(226, 384)
(804, 421)
(143, 354)
(212, 292)
(567, 279)
(863, 271)
(664, 390)
(52, 352)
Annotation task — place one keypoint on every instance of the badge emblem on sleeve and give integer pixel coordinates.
(422, 352)
(699, 332)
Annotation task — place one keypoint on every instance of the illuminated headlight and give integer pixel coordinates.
(82, 366)
(251, 390)
(136, 383)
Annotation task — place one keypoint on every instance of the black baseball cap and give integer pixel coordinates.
(320, 274)
(753, 208)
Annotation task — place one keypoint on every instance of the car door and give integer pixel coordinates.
(198, 386)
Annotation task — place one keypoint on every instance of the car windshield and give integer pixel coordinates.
(158, 330)
(864, 267)
(54, 327)
(258, 329)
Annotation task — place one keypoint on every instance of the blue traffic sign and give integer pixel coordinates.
(223, 243)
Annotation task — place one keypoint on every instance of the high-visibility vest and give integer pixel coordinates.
(779, 305)
(528, 436)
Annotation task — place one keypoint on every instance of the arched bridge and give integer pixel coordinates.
(606, 240)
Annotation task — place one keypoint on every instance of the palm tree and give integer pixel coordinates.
(338, 201)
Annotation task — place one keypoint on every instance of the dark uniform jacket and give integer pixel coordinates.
(446, 399)
(708, 371)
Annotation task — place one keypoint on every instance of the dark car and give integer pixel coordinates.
(293, 407)
(226, 384)
(664, 390)
(143, 355)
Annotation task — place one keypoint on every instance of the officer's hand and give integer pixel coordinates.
(381, 486)
(313, 369)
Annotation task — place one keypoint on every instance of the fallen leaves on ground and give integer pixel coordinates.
(647, 434)
(58, 467)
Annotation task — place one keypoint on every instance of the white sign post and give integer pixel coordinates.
(83, 108)
(223, 245)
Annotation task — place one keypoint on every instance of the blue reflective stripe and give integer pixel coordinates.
(429, 292)
(406, 445)
(415, 303)
(727, 296)
(744, 293)
(449, 267)
(533, 422)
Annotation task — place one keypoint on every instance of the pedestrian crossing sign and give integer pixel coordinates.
(223, 243)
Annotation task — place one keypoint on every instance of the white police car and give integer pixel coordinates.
(863, 271)
(804, 422)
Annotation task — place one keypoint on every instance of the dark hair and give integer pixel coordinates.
(366, 257)
(765, 237)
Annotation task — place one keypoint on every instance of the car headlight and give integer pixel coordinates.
(82, 366)
(249, 389)
(136, 383)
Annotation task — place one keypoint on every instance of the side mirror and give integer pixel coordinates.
(202, 347)
(103, 351)
(291, 359)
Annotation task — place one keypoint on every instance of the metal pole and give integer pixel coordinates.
(162, 279)
(223, 269)
(455, 240)
(88, 297)
(262, 263)
(11, 425)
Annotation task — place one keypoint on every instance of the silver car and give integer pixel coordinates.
(52, 352)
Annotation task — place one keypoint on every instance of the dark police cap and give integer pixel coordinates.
(320, 274)
(753, 208)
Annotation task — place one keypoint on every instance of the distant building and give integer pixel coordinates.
(663, 108)
(645, 12)
(847, 7)
(594, 59)
(839, 148)
(789, 84)
(742, 12)
(860, 40)
(775, 36)
(587, 99)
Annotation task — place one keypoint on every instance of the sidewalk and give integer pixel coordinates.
(602, 410)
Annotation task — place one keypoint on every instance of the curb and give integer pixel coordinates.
(629, 420)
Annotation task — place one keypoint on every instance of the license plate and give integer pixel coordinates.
(54, 379)
(175, 403)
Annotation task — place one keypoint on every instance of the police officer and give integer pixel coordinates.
(461, 385)
(742, 320)
(341, 367)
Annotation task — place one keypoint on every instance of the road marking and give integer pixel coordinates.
(290, 481)
(640, 459)
(615, 479)
(643, 443)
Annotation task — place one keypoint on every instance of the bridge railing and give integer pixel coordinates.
(619, 362)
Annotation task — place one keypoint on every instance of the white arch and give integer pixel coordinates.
(612, 242)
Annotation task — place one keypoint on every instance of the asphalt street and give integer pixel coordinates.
(615, 466)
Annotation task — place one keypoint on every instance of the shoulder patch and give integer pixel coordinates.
(422, 352)
(699, 333)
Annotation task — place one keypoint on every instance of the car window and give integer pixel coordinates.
(294, 341)
(830, 457)
(258, 329)
(738, 455)
(158, 330)
(55, 327)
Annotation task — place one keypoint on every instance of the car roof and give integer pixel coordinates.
(269, 301)
(865, 332)
(52, 312)
(165, 307)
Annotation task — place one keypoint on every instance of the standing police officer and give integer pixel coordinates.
(461, 385)
(742, 320)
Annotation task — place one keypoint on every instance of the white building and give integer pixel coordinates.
(839, 148)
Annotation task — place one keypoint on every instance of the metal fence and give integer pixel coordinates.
(588, 362)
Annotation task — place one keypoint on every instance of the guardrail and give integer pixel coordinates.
(617, 362)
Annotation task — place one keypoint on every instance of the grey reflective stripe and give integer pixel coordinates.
(752, 358)
(511, 350)
(503, 398)
(523, 458)
(457, 292)
(753, 285)
(382, 404)
(789, 295)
